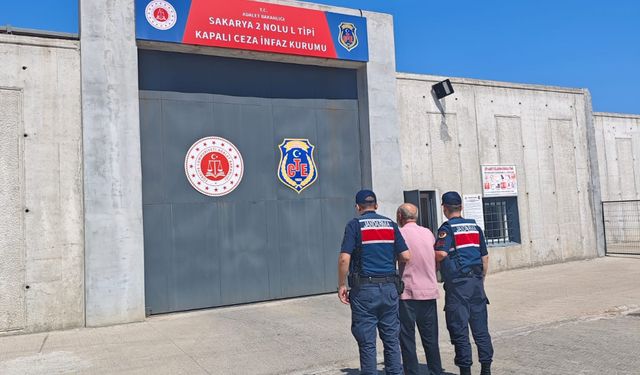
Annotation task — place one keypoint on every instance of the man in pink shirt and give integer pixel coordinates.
(418, 302)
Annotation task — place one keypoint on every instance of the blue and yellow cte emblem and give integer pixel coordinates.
(297, 169)
(348, 37)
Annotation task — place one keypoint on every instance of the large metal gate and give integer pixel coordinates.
(622, 226)
(264, 240)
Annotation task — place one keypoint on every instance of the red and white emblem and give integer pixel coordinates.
(161, 15)
(214, 166)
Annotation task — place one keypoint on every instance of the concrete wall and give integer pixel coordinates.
(541, 130)
(618, 143)
(112, 181)
(42, 250)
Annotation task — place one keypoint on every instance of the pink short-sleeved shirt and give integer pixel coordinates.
(419, 275)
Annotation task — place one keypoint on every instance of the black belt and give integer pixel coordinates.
(474, 271)
(377, 280)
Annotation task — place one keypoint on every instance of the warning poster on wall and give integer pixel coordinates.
(472, 206)
(499, 181)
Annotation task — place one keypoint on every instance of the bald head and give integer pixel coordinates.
(407, 212)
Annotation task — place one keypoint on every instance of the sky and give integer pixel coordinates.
(592, 44)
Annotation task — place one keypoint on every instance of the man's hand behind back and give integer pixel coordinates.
(440, 255)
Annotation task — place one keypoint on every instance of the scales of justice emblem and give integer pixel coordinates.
(214, 166)
(297, 169)
(161, 14)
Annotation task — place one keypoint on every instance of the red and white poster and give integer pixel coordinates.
(499, 181)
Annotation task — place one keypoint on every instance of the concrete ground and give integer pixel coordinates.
(573, 318)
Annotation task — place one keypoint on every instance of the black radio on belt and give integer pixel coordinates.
(353, 280)
(399, 285)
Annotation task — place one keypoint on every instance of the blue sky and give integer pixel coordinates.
(588, 43)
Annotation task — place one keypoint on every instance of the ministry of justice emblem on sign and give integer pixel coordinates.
(161, 15)
(214, 166)
(348, 37)
(297, 169)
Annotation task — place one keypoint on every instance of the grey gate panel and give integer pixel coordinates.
(263, 241)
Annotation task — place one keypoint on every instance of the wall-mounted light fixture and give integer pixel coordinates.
(442, 89)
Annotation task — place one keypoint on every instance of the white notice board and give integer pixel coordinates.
(473, 209)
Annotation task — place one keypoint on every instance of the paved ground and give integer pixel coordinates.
(602, 346)
(607, 345)
(572, 318)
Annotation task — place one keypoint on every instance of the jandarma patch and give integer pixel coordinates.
(442, 234)
(297, 169)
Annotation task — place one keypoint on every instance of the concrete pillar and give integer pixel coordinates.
(382, 113)
(114, 260)
(596, 191)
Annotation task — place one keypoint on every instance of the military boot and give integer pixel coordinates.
(486, 368)
(465, 370)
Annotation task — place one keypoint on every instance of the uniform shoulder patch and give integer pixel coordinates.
(442, 234)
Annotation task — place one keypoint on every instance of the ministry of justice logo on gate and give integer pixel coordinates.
(348, 37)
(297, 168)
(214, 166)
(161, 15)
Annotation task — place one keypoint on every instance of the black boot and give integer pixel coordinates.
(465, 370)
(486, 368)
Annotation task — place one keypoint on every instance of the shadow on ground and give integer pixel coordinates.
(626, 256)
(422, 370)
